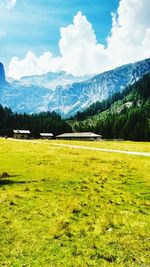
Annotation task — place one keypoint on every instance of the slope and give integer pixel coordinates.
(125, 116)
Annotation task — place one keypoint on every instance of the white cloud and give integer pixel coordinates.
(8, 4)
(129, 40)
(80, 53)
(32, 64)
(79, 49)
(11, 3)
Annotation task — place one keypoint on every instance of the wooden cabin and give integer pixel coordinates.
(86, 136)
(46, 136)
(21, 134)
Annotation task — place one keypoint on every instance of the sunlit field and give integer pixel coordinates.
(63, 206)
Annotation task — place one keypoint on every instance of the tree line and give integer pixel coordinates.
(48, 122)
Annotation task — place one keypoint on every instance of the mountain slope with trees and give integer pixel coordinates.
(125, 115)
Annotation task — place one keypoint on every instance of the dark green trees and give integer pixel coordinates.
(36, 123)
(123, 122)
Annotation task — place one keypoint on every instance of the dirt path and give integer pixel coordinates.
(146, 154)
(106, 150)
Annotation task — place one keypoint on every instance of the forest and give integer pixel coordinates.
(114, 119)
(48, 122)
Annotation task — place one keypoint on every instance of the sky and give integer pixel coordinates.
(76, 36)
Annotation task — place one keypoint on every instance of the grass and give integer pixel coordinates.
(120, 145)
(70, 207)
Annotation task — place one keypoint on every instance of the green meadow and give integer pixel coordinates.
(70, 207)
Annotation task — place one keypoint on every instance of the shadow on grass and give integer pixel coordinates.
(5, 179)
(9, 182)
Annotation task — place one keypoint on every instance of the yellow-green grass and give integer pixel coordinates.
(69, 207)
(120, 145)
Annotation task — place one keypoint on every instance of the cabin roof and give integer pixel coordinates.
(21, 131)
(46, 134)
(80, 134)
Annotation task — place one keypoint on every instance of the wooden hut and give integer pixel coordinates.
(46, 136)
(87, 136)
(21, 134)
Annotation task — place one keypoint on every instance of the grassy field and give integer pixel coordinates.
(73, 208)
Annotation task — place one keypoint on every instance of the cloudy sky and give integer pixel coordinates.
(77, 36)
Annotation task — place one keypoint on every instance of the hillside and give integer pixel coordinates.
(125, 115)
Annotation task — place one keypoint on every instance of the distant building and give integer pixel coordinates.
(46, 135)
(79, 136)
(21, 134)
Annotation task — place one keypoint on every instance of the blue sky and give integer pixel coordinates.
(35, 24)
(76, 36)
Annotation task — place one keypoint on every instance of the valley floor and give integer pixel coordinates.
(63, 206)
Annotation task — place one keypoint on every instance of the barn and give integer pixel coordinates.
(46, 136)
(87, 136)
(21, 134)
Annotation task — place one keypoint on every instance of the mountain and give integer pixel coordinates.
(23, 96)
(21, 99)
(77, 97)
(125, 115)
(24, 99)
(31, 94)
(52, 80)
(2, 74)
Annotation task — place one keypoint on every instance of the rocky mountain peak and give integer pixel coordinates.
(2, 74)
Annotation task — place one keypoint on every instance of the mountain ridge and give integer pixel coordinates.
(51, 80)
(69, 99)
(79, 96)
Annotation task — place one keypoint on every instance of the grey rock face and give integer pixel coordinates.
(2, 74)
